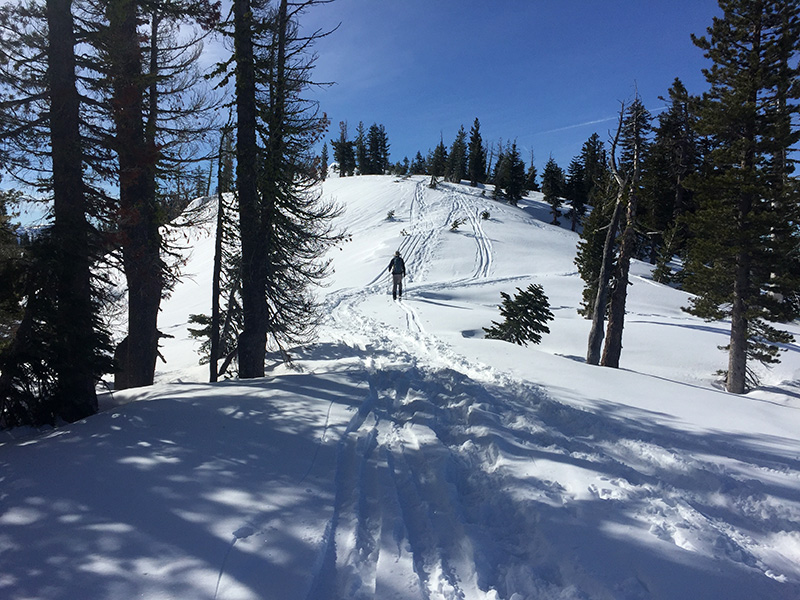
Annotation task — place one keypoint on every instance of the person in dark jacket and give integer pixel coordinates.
(397, 267)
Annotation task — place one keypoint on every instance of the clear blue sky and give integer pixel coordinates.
(546, 73)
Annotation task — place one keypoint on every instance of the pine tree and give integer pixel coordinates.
(377, 151)
(595, 165)
(501, 172)
(145, 101)
(323, 163)
(589, 256)
(437, 161)
(575, 191)
(418, 166)
(526, 317)
(515, 185)
(530, 179)
(456, 166)
(476, 160)
(599, 196)
(12, 269)
(673, 157)
(553, 187)
(284, 226)
(59, 349)
(742, 259)
(362, 160)
(344, 153)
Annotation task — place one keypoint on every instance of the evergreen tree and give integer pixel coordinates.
(515, 185)
(344, 153)
(323, 163)
(501, 171)
(598, 195)
(602, 283)
(530, 179)
(593, 158)
(377, 151)
(742, 256)
(673, 157)
(418, 166)
(553, 187)
(526, 317)
(575, 191)
(59, 349)
(456, 167)
(362, 160)
(438, 160)
(476, 160)
(509, 175)
(12, 270)
(589, 256)
(145, 102)
(283, 225)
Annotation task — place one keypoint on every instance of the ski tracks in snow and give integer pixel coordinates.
(397, 530)
(425, 499)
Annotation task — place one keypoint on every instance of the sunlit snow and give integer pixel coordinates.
(406, 457)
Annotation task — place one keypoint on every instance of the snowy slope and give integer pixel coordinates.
(407, 457)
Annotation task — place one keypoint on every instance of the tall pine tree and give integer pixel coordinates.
(553, 187)
(742, 258)
(476, 160)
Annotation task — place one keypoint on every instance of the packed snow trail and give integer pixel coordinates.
(404, 457)
(420, 508)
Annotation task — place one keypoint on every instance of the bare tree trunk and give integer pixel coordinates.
(76, 397)
(737, 353)
(138, 215)
(616, 313)
(596, 333)
(619, 294)
(215, 292)
(253, 339)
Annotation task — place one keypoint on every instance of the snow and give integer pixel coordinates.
(406, 457)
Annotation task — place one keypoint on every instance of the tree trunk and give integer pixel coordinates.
(737, 353)
(252, 340)
(601, 299)
(215, 293)
(76, 397)
(138, 214)
(616, 312)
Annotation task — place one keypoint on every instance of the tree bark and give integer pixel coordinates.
(76, 397)
(138, 213)
(596, 333)
(616, 312)
(252, 340)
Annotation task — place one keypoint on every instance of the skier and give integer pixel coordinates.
(398, 270)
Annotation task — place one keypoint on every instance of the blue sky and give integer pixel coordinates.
(546, 73)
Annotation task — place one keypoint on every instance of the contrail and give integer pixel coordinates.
(595, 122)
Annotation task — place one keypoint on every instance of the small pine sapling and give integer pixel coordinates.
(485, 215)
(456, 224)
(390, 215)
(526, 317)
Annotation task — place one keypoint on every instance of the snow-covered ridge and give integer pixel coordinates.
(407, 457)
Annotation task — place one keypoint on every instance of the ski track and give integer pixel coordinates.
(414, 519)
